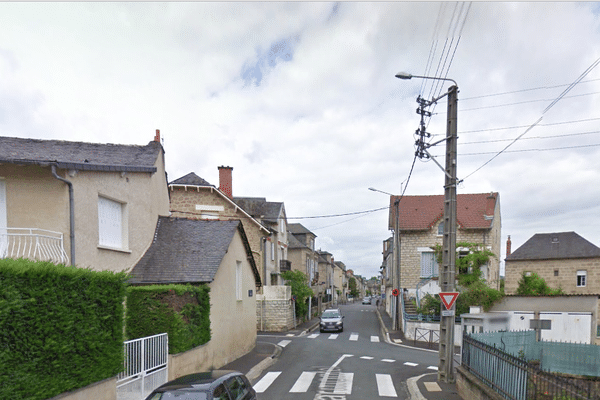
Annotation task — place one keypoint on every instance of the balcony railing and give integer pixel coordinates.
(34, 244)
(285, 265)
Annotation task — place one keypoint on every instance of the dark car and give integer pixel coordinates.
(214, 385)
(332, 320)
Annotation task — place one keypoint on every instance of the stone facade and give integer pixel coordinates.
(556, 273)
(274, 309)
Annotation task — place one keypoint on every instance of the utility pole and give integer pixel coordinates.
(448, 271)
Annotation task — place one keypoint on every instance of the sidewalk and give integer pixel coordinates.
(423, 387)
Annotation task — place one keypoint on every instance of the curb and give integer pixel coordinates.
(255, 371)
(413, 389)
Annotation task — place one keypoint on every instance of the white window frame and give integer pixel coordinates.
(583, 281)
(112, 224)
(435, 268)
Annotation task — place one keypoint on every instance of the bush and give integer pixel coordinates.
(182, 311)
(61, 328)
(535, 285)
(300, 289)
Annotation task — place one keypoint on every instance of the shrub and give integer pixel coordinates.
(182, 311)
(61, 328)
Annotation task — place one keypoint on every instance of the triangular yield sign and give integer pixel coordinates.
(448, 298)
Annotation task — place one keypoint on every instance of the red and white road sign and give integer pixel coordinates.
(448, 298)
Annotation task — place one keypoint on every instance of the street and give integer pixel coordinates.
(353, 364)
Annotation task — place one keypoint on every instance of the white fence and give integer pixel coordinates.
(145, 367)
(32, 243)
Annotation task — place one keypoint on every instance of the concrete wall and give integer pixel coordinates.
(103, 390)
(274, 309)
(470, 387)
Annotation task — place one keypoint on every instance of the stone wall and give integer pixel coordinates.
(470, 387)
(274, 309)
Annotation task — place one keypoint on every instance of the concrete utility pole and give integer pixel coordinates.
(448, 270)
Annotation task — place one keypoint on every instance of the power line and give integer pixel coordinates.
(534, 137)
(523, 90)
(525, 126)
(532, 150)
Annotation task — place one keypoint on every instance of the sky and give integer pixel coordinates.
(301, 99)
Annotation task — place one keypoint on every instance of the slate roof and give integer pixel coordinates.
(294, 243)
(188, 251)
(553, 246)
(80, 155)
(260, 208)
(298, 229)
(417, 213)
(191, 179)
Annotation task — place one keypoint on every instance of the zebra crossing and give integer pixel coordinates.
(354, 337)
(339, 383)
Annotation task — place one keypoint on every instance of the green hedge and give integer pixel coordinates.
(183, 311)
(61, 328)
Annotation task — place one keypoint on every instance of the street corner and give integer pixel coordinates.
(427, 387)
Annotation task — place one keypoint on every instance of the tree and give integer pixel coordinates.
(353, 287)
(300, 289)
(535, 285)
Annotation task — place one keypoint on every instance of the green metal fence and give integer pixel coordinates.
(567, 358)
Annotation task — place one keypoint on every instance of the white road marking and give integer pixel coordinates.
(314, 335)
(284, 343)
(303, 383)
(290, 334)
(353, 337)
(266, 381)
(388, 360)
(433, 368)
(344, 383)
(367, 357)
(385, 386)
(411, 364)
(374, 339)
(333, 336)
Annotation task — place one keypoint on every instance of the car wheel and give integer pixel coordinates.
(342, 329)
(321, 330)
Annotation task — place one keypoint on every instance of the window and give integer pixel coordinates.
(440, 231)
(237, 387)
(272, 251)
(238, 280)
(112, 222)
(221, 393)
(209, 212)
(555, 272)
(581, 277)
(429, 265)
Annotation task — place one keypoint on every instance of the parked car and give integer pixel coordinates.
(332, 320)
(213, 385)
(366, 300)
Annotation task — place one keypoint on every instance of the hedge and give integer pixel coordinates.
(183, 311)
(61, 328)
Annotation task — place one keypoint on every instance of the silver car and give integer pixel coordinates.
(332, 320)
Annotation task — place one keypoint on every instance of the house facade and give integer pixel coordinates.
(86, 204)
(326, 287)
(562, 259)
(210, 252)
(420, 229)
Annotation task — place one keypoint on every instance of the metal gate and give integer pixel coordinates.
(145, 367)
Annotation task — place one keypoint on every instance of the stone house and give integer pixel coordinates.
(341, 281)
(91, 205)
(326, 286)
(562, 259)
(420, 229)
(210, 252)
(303, 257)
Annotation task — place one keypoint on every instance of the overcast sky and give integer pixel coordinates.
(301, 100)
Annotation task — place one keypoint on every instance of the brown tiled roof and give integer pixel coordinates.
(473, 211)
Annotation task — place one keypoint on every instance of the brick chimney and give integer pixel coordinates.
(508, 246)
(225, 183)
(157, 137)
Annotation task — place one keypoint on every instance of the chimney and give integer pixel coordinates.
(157, 137)
(508, 246)
(225, 184)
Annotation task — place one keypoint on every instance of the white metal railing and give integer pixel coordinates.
(145, 366)
(34, 244)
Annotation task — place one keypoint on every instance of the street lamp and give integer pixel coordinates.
(448, 271)
(396, 279)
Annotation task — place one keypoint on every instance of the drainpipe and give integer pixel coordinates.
(71, 212)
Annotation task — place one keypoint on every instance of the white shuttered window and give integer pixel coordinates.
(110, 223)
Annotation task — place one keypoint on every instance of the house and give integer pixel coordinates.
(193, 197)
(303, 257)
(562, 259)
(420, 228)
(340, 281)
(326, 266)
(87, 204)
(216, 253)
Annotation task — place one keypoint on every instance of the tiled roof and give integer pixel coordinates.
(260, 208)
(555, 246)
(298, 229)
(191, 179)
(186, 250)
(80, 155)
(294, 243)
(473, 211)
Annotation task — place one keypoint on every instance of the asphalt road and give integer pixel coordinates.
(354, 364)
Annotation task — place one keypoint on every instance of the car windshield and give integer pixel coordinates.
(331, 314)
(179, 395)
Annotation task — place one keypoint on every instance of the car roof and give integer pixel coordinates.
(198, 381)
